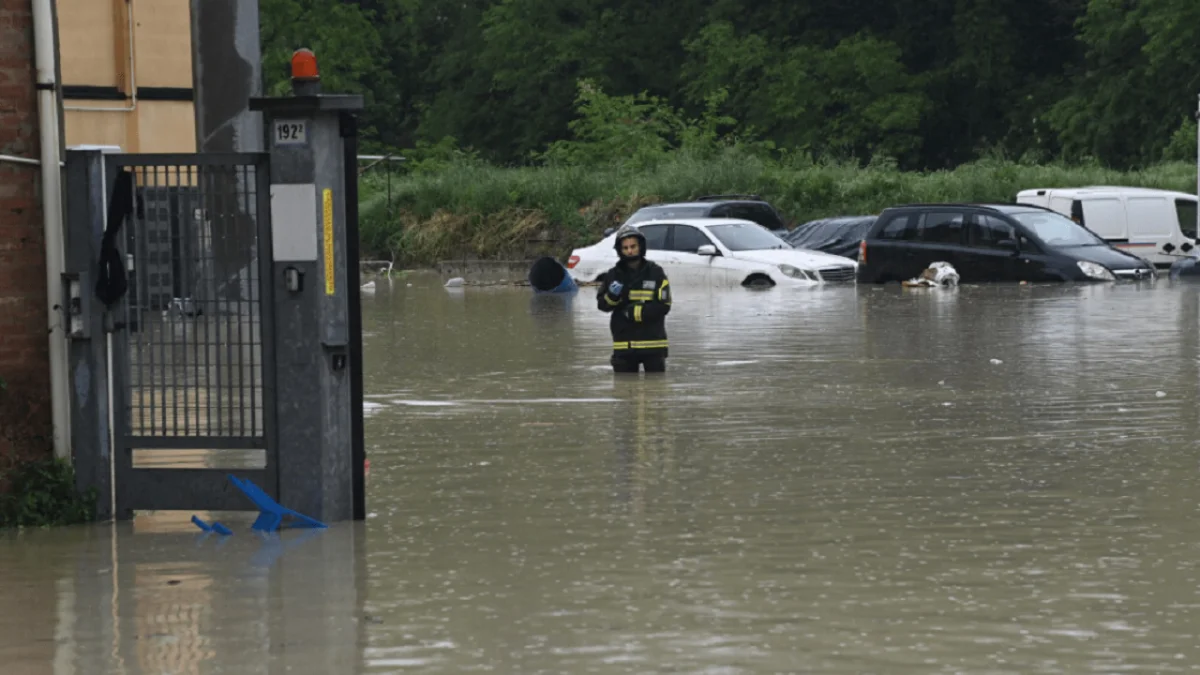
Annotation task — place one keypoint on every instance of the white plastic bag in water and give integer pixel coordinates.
(944, 274)
(937, 274)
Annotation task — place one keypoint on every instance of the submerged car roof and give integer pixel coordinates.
(1002, 208)
(697, 222)
(1013, 208)
(713, 203)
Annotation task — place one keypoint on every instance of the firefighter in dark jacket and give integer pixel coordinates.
(638, 295)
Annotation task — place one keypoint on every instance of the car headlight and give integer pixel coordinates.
(794, 272)
(1096, 271)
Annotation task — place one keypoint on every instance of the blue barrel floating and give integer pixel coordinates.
(549, 276)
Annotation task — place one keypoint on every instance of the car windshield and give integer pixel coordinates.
(746, 237)
(1055, 229)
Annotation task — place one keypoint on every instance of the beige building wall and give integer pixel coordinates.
(127, 74)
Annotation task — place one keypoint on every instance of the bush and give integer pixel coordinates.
(42, 493)
(34, 492)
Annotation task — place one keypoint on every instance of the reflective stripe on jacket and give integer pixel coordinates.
(639, 311)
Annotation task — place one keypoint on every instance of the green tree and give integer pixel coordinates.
(347, 44)
(1140, 76)
(932, 83)
(638, 130)
(855, 99)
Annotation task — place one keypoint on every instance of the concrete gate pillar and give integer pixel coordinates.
(316, 292)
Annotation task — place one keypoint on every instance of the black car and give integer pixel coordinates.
(744, 207)
(990, 242)
(839, 236)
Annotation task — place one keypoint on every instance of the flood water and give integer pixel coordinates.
(991, 479)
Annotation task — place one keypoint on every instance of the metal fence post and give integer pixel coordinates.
(88, 352)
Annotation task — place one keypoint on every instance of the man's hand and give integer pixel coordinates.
(630, 311)
(615, 288)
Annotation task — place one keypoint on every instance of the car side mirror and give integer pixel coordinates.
(707, 249)
(608, 231)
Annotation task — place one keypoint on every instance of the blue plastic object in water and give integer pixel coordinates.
(271, 512)
(274, 546)
(549, 276)
(215, 527)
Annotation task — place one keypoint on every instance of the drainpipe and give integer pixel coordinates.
(19, 160)
(52, 214)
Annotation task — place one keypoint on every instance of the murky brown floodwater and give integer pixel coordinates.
(834, 481)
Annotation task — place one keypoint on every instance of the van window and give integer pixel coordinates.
(988, 232)
(1187, 211)
(902, 226)
(942, 228)
(1149, 217)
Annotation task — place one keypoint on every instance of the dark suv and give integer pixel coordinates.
(745, 207)
(990, 242)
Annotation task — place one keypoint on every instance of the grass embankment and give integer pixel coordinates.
(482, 212)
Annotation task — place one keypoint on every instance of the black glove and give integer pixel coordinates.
(628, 311)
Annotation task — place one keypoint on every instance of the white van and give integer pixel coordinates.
(1158, 225)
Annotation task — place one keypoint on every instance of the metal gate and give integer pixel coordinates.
(192, 375)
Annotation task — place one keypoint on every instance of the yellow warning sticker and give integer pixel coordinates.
(327, 196)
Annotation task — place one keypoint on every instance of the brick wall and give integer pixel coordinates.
(24, 356)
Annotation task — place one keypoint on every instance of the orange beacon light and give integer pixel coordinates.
(304, 65)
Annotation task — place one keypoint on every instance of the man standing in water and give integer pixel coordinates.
(637, 294)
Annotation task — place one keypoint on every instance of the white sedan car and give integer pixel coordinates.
(718, 252)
